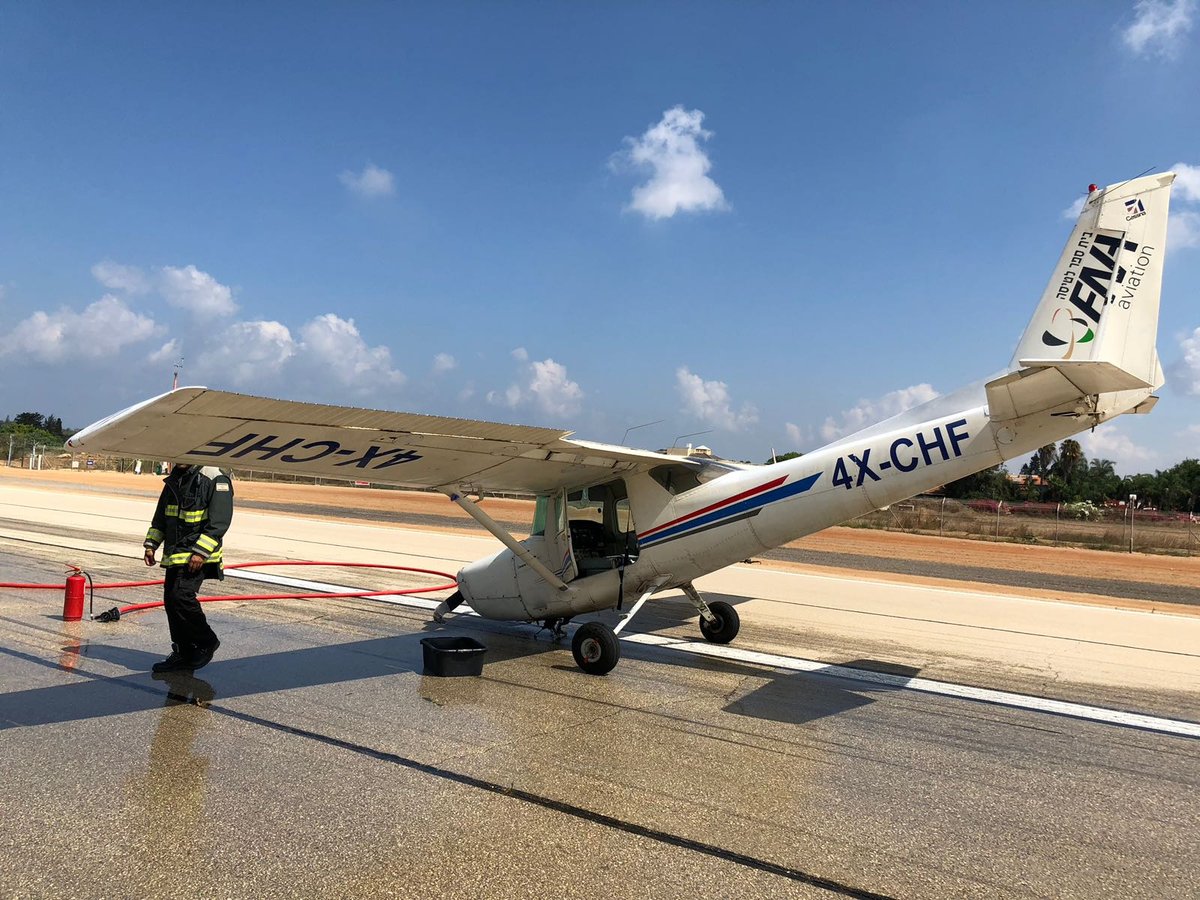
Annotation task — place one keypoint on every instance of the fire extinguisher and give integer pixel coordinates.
(73, 596)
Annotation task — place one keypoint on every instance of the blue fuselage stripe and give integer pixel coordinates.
(736, 511)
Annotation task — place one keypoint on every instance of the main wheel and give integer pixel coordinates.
(726, 627)
(596, 648)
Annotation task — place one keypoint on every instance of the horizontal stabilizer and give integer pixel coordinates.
(1028, 391)
(1090, 376)
(1044, 384)
(1145, 406)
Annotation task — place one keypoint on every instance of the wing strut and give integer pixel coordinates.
(507, 540)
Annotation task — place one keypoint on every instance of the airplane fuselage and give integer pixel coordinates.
(749, 511)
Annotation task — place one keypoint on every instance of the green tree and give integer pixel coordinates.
(1100, 481)
(783, 457)
(1068, 473)
(990, 484)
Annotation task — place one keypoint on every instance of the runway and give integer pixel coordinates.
(314, 758)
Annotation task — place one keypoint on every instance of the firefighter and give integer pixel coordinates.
(190, 521)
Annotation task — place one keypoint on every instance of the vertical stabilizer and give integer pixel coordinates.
(1097, 321)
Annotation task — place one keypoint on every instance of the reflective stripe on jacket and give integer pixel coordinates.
(194, 511)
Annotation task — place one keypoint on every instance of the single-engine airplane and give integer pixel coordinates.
(614, 524)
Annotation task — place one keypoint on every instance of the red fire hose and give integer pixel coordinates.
(73, 597)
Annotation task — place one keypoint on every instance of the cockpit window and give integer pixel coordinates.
(678, 479)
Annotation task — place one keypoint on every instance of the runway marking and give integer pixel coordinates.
(1099, 714)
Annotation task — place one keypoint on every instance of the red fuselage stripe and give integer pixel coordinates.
(728, 500)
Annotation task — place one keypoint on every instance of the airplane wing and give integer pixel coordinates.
(216, 428)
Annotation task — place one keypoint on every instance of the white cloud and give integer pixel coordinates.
(1072, 212)
(248, 354)
(1109, 442)
(709, 401)
(1187, 182)
(371, 182)
(1189, 369)
(1159, 26)
(868, 412)
(554, 392)
(262, 355)
(1183, 230)
(101, 330)
(797, 435)
(679, 181)
(443, 363)
(546, 386)
(196, 292)
(116, 277)
(168, 352)
(510, 398)
(186, 288)
(334, 346)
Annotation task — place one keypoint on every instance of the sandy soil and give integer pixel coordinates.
(329, 500)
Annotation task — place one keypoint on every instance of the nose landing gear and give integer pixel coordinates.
(719, 621)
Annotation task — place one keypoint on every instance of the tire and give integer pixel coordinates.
(595, 648)
(725, 629)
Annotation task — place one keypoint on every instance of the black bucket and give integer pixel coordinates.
(450, 657)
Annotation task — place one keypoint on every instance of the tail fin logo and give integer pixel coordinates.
(1067, 331)
(1135, 208)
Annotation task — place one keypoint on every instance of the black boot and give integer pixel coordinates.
(202, 656)
(176, 662)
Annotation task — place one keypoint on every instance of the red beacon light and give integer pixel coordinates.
(1093, 188)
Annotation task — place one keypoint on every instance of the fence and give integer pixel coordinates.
(1056, 524)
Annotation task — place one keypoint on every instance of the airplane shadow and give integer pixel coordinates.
(100, 695)
(793, 698)
(802, 697)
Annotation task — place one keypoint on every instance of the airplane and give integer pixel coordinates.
(614, 525)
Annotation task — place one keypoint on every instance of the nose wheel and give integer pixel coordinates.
(595, 648)
(719, 621)
(724, 625)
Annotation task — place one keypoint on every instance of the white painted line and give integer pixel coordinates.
(797, 664)
(927, 686)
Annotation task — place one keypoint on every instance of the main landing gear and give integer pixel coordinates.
(597, 650)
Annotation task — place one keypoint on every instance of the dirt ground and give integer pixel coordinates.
(434, 511)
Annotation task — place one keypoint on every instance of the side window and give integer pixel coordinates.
(624, 517)
(675, 479)
(539, 516)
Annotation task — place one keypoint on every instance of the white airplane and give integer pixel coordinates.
(614, 525)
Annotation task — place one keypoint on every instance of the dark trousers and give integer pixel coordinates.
(185, 617)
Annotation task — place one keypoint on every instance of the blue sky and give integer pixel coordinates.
(771, 221)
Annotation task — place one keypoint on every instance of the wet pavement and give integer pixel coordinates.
(314, 758)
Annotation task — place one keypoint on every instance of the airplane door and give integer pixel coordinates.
(560, 555)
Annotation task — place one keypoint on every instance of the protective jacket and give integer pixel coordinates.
(193, 513)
